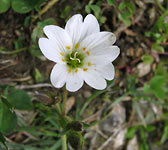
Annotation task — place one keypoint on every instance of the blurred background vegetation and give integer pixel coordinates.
(131, 114)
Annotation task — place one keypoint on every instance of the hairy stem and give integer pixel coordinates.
(65, 94)
(63, 138)
(64, 142)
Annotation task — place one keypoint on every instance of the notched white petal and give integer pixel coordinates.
(74, 82)
(73, 27)
(90, 25)
(114, 52)
(49, 49)
(107, 71)
(59, 35)
(94, 79)
(58, 75)
(110, 53)
(98, 39)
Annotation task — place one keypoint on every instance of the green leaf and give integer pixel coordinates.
(96, 9)
(23, 6)
(123, 19)
(27, 21)
(122, 6)
(87, 9)
(131, 132)
(161, 71)
(160, 93)
(156, 86)
(38, 76)
(157, 47)
(165, 133)
(20, 100)
(131, 7)
(65, 12)
(102, 19)
(4, 5)
(8, 119)
(157, 82)
(147, 59)
(150, 128)
(147, 88)
(111, 2)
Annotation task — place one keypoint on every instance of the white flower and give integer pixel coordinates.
(81, 52)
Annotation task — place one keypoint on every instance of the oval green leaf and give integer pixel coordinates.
(8, 119)
(23, 6)
(20, 100)
(4, 5)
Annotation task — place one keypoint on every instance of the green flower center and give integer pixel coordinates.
(74, 60)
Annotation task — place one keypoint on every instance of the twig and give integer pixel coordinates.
(45, 9)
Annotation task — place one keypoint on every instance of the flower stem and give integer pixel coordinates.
(65, 94)
(63, 138)
(64, 142)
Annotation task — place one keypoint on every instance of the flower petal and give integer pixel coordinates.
(107, 71)
(74, 26)
(94, 79)
(78, 29)
(110, 52)
(98, 40)
(58, 75)
(90, 25)
(50, 49)
(74, 82)
(58, 34)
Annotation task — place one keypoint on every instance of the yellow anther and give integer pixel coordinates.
(77, 45)
(89, 64)
(88, 53)
(62, 54)
(76, 70)
(83, 48)
(69, 70)
(68, 47)
(63, 59)
(85, 69)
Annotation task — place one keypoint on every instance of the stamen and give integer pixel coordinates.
(83, 48)
(62, 54)
(76, 70)
(68, 47)
(63, 59)
(77, 45)
(89, 64)
(85, 69)
(69, 70)
(88, 53)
